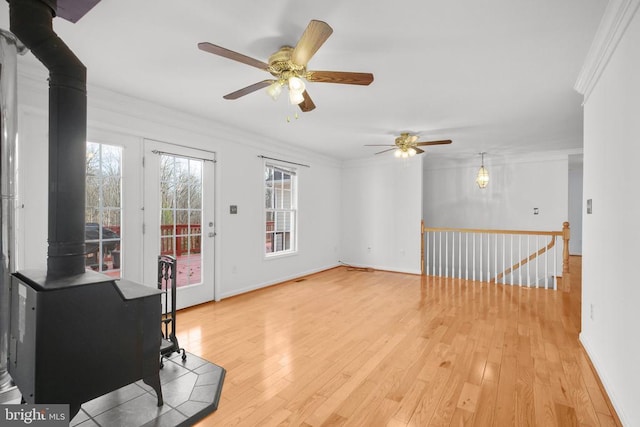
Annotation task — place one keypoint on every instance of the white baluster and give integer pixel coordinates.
(537, 248)
(480, 260)
(466, 256)
(528, 252)
(440, 257)
(473, 255)
(460, 254)
(519, 258)
(555, 267)
(446, 254)
(546, 267)
(495, 268)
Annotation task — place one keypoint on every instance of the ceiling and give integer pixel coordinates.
(494, 76)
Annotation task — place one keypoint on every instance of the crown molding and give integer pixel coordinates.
(107, 110)
(613, 25)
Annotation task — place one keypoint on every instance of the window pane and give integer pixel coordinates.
(269, 243)
(103, 208)
(182, 219)
(167, 167)
(167, 218)
(92, 192)
(280, 203)
(181, 191)
(167, 194)
(269, 197)
(110, 161)
(111, 192)
(166, 246)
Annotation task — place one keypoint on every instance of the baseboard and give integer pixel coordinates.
(609, 396)
(278, 281)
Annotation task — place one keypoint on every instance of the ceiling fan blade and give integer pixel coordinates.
(221, 51)
(316, 33)
(307, 104)
(446, 141)
(249, 89)
(418, 150)
(344, 77)
(384, 151)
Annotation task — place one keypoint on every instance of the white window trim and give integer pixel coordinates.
(295, 209)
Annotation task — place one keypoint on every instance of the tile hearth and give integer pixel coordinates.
(191, 391)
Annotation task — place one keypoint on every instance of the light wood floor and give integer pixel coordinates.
(377, 348)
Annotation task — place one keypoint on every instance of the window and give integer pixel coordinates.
(181, 215)
(281, 195)
(103, 209)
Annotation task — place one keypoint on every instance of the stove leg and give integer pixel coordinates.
(74, 408)
(154, 382)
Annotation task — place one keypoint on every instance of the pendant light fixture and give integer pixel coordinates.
(482, 179)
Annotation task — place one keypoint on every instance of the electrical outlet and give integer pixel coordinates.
(591, 311)
(369, 249)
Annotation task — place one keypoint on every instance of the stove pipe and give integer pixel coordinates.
(32, 22)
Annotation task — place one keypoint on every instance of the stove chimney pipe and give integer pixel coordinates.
(32, 22)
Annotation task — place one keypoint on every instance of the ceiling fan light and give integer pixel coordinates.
(405, 154)
(296, 84)
(274, 90)
(295, 97)
(412, 151)
(397, 153)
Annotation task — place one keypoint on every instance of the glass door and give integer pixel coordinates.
(179, 218)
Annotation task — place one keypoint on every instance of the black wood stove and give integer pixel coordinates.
(77, 338)
(74, 335)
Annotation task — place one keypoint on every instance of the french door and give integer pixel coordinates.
(179, 217)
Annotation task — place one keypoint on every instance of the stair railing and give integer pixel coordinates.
(517, 257)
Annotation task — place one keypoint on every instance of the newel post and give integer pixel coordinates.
(566, 274)
(422, 247)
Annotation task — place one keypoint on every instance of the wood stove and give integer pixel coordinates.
(77, 338)
(74, 335)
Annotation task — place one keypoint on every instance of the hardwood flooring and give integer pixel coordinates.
(387, 349)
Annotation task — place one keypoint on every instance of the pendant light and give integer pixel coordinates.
(482, 179)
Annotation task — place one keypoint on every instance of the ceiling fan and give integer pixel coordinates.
(406, 145)
(289, 67)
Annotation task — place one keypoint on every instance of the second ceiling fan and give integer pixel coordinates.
(407, 145)
(288, 66)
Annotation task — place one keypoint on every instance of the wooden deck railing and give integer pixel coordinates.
(518, 257)
(187, 239)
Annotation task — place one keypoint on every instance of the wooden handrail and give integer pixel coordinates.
(565, 234)
(526, 260)
(493, 231)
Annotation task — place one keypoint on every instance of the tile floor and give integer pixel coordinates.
(191, 390)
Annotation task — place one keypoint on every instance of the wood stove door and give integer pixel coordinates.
(179, 217)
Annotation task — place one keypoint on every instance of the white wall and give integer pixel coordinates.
(381, 212)
(451, 197)
(240, 263)
(611, 233)
(576, 171)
